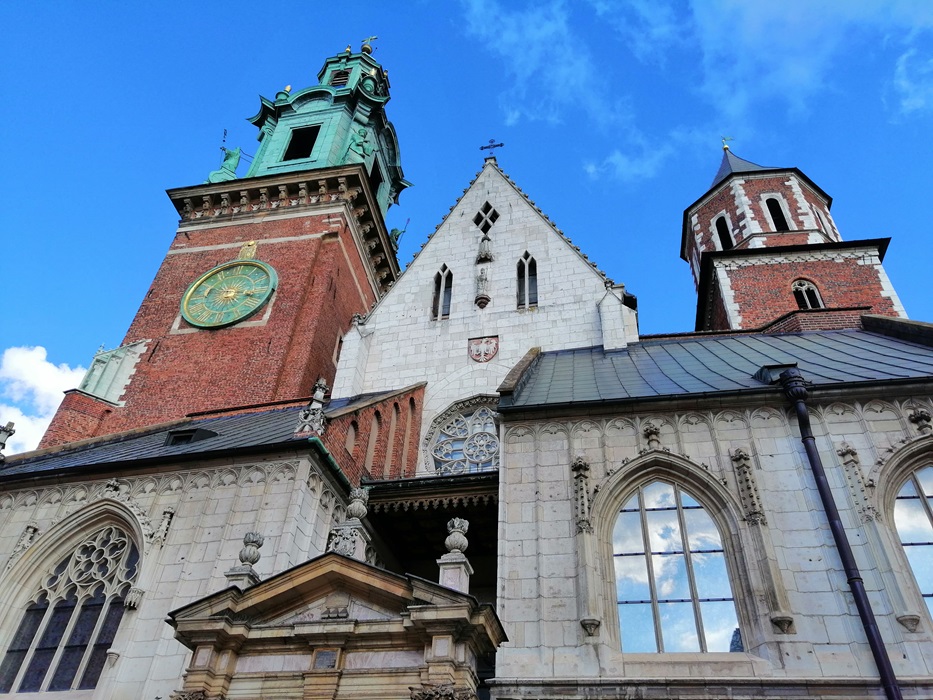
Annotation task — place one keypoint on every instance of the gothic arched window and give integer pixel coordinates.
(672, 585)
(465, 438)
(913, 517)
(725, 237)
(807, 295)
(777, 214)
(443, 288)
(71, 621)
(527, 282)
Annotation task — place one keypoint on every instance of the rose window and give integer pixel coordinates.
(467, 442)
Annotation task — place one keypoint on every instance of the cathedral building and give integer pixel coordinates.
(308, 474)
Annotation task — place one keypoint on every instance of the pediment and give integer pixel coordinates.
(330, 589)
(337, 606)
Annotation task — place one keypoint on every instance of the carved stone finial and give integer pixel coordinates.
(652, 433)
(921, 418)
(244, 575)
(311, 419)
(847, 452)
(359, 498)
(6, 432)
(456, 541)
(252, 541)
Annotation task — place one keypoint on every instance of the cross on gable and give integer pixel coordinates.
(491, 145)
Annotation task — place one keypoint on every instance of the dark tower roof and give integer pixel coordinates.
(731, 164)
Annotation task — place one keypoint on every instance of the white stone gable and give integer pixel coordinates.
(401, 343)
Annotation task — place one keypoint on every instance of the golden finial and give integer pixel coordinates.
(288, 88)
(725, 146)
(348, 49)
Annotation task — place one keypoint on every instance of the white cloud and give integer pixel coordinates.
(913, 81)
(547, 65)
(31, 389)
(789, 52)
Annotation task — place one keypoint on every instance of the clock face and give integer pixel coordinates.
(228, 294)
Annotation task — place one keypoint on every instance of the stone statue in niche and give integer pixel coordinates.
(482, 287)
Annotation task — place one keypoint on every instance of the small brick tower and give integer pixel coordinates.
(265, 272)
(765, 254)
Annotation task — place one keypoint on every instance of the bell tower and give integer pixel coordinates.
(265, 272)
(765, 254)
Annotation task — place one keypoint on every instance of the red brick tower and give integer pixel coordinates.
(766, 254)
(265, 272)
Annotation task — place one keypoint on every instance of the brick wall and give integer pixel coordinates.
(762, 292)
(79, 416)
(395, 447)
(275, 355)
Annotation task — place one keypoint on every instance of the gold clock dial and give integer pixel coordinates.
(229, 293)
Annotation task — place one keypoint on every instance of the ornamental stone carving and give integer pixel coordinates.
(465, 438)
(311, 419)
(748, 488)
(359, 498)
(921, 418)
(342, 541)
(858, 486)
(581, 492)
(25, 542)
(249, 554)
(441, 691)
(456, 541)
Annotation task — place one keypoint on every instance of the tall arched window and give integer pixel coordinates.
(807, 295)
(67, 628)
(913, 517)
(672, 585)
(527, 282)
(443, 288)
(777, 214)
(725, 237)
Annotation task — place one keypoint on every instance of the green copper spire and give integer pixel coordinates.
(339, 121)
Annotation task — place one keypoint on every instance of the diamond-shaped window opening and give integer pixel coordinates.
(485, 217)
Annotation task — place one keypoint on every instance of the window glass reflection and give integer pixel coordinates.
(675, 595)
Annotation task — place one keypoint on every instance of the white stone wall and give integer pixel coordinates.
(209, 509)
(555, 557)
(400, 344)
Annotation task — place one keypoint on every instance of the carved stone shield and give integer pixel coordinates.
(483, 349)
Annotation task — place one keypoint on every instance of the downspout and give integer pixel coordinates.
(792, 382)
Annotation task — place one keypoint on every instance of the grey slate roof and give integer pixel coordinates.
(698, 365)
(731, 163)
(238, 431)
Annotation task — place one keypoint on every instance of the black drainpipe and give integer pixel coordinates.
(794, 388)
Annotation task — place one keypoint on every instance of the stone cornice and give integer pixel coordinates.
(260, 198)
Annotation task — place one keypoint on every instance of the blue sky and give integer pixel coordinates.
(611, 114)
